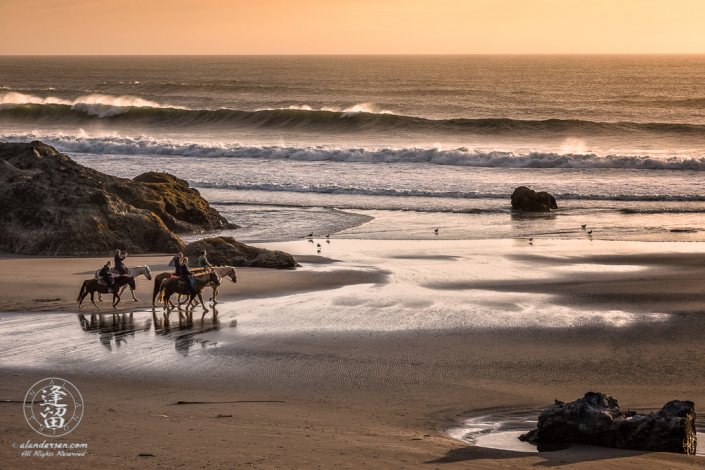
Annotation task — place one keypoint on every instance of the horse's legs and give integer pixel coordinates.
(131, 291)
(92, 300)
(200, 297)
(116, 295)
(215, 293)
(100, 297)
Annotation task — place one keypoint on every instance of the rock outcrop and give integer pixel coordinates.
(51, 205)
(226, 251)
(597, 420)
(528, 200)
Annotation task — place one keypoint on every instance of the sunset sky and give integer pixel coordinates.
(351, 26)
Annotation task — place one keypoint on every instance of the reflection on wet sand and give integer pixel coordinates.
(118, 328)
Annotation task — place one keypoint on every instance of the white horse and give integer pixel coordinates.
(133, 271)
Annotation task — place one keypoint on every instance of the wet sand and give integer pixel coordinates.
(282, 386)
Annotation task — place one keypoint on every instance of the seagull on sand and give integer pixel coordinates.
(583, 226)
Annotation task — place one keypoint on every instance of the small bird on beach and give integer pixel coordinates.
(310, 235)
(327, 241)
(318, 245)
(328, 235)
(310, 241)
(319, 250)
(436, 231)
(531, 239)
(589, 232)
(583, 226)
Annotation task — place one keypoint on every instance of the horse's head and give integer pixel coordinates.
(131, 282)
(233, 275)
(148, 273)
(215, 277)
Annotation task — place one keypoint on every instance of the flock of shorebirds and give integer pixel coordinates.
(318, 245)
(310, 237)
(583, 226)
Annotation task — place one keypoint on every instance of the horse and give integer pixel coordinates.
(171, 285)
(91, 286)
(223, 271)
(134, 271)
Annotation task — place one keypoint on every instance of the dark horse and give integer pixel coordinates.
(223, 271)
(91, 286)
(172, 285)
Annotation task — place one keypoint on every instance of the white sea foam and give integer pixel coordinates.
(113, 143)
(94, 104)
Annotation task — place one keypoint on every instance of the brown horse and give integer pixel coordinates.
(223, 271)
(172, 285)
(91, 286)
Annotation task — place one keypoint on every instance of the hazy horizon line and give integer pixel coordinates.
(365, 54)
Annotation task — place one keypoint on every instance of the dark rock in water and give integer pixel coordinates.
(596, 419)
(51, 205)
(226, 251)
(528, 200)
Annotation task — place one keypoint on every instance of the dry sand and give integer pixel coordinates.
(356, 397)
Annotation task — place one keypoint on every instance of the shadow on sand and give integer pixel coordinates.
(571, 455)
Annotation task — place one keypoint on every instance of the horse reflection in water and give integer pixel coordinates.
(119, 328)
(114, 327)
(185, 330)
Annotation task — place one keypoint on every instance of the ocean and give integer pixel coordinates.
(388, 147)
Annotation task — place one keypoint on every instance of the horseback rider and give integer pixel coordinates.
(177, 264)
(187, 275)
(107, 276)
(120, 268)
(203, 261)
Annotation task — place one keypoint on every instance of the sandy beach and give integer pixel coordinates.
(372, 356)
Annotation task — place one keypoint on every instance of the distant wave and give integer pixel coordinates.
(143, 145)
(130, 110)
(14, 104)
(402, 193)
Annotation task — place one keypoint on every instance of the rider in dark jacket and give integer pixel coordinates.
(178, 259)
(107, 276)
(119, 262)
(187, 274)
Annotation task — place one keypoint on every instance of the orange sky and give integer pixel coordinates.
(351, 26)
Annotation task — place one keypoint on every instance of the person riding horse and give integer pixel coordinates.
(120, 268)
(177, 264)
(107, 276)
(203, 261)
(187, 275)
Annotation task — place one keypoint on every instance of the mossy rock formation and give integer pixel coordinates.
(226, 251)
(51, 205)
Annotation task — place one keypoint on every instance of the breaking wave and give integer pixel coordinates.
(144, 145)
(131, 110)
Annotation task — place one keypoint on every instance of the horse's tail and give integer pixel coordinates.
(157, 285)
(162, 288)
(80, 294)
